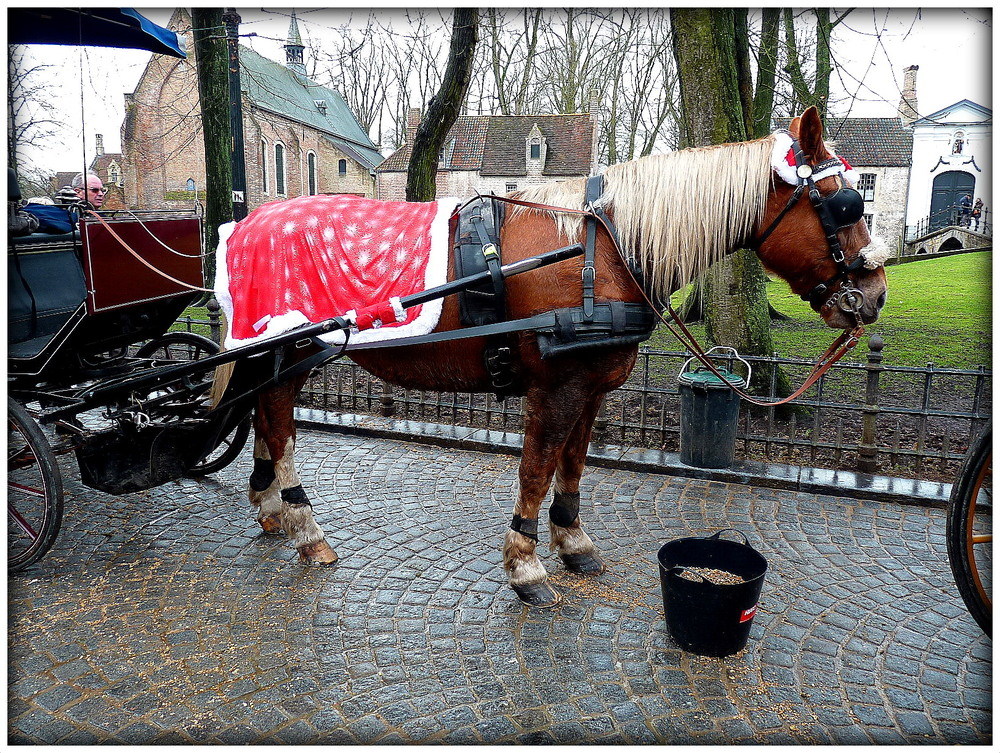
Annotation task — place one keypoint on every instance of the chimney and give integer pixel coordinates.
(412, 123)
(99, 145)
(594, 111)
(908, 101)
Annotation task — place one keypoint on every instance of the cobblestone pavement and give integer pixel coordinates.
(164, 617)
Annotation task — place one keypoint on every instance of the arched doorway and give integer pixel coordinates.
(948, 188)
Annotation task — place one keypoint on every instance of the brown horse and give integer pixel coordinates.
(676, 215)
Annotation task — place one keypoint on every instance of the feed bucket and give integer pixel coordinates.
(707, 614)
(710, 411)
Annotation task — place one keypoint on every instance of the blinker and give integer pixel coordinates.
(846, 207)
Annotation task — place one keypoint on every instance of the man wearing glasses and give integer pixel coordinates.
(94, 193)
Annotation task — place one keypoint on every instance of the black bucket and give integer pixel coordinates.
(703, 617)
(710, 411)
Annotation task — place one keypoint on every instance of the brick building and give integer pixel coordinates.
(108, 166)
(300, 138)
(880, 150)
(499, 154)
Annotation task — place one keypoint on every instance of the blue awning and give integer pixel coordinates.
(92, 27)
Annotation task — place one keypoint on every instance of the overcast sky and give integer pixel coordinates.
(953, 48)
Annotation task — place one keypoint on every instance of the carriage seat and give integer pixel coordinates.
(45, 287)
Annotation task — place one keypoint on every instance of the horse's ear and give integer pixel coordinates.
(811, 135)
(795, 126)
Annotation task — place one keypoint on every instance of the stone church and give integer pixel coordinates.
(300, 138)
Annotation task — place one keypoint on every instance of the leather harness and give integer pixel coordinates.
(568, 330)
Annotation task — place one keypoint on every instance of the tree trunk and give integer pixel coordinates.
(444, 108)
(714, 112)
(212, 60)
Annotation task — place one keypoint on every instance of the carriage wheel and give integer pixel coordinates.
(34, 490)
(227, 451)
(970, 543)
(189, 346)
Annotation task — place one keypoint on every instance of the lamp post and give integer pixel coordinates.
(232, 21)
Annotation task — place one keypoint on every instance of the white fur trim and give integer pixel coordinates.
(785, 171)
(397, 308)
(876, 253)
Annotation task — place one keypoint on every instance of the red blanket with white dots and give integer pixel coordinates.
(316, 257)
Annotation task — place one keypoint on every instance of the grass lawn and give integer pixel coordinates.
(939, 310)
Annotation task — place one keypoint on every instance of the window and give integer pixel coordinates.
(190, 184)
(536, 150)
(866, 186)
(342, 167)
(279, 169)
(869, 221)
(114, 173)
(511, 187)
(263, 165)
(311, 172)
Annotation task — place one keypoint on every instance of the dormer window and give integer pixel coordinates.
(320, 105)
(535, 149)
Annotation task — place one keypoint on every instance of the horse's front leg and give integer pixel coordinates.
(549, 417)
(276, 427)
(567, 536)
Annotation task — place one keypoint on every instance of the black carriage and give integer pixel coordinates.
(89, 311)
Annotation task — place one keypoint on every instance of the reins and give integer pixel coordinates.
(840, 347)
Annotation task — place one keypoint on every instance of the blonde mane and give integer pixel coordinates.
(676, 213)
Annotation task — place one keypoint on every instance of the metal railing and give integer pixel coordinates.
(950, 217)
(867, 416)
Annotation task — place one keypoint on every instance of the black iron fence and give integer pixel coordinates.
(866, 415)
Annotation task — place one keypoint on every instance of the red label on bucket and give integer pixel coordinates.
(747, 614)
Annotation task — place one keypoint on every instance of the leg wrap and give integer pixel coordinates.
(565, 509)
(263, 474)
(295, 496)
(525, 526)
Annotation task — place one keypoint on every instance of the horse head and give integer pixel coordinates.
(813, 233)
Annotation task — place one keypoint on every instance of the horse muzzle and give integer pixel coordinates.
(853, 303)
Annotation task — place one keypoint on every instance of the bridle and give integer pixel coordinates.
(835, 211)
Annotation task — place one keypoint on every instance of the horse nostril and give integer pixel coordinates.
(882, 299)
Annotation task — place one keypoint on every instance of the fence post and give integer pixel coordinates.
(601, 421)
(867, 452)
(214, 320)
(388, 400)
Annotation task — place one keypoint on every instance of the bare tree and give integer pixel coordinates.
(797, 61)
(444, 108)
(31, 109)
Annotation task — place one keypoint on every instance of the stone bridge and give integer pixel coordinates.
(948, 240)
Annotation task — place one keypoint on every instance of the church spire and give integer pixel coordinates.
(294, 47)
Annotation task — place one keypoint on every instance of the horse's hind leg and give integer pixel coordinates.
(276, 427)
(567, 536)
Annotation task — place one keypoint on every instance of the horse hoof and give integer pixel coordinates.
(270, 524)
(538, 595)
(585, 563)
(319, 554)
